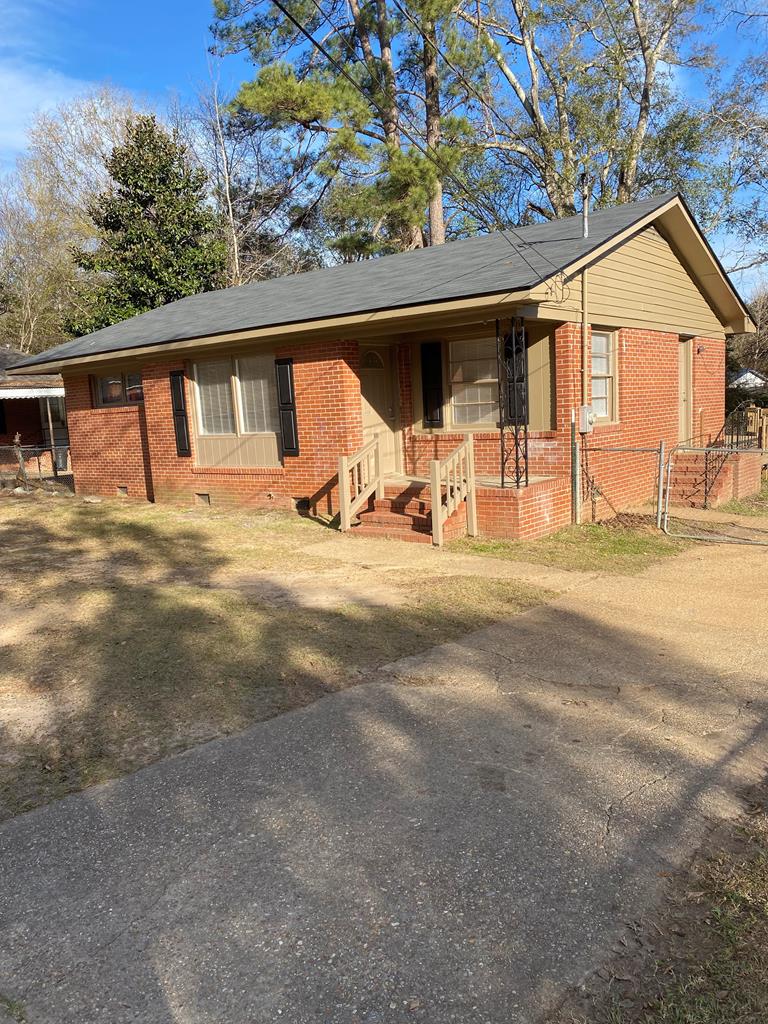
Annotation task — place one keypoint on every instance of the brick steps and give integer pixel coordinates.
(688, 482)
(406, 514)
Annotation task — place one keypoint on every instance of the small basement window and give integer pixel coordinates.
(117, 389)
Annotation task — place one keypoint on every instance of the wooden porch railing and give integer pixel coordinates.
(359, 477)
(455, 474)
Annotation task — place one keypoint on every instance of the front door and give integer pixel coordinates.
(685, 389)
(377, 391)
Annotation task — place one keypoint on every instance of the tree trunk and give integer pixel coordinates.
(433, 132)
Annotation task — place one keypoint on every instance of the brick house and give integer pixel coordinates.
(252, 395)
(32, 407)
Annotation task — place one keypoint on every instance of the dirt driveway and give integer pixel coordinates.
(457, 840)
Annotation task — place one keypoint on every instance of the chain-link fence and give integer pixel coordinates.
(31, 466)
(620, 484)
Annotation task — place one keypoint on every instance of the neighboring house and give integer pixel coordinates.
(748, 380)
(251, 394)
(31, 405)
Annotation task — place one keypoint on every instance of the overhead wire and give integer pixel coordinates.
(462, 185)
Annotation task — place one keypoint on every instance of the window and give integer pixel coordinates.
(214, 388)
(118, 389)
(58, 413)
(603, 376)
(474, 382)
(238, 396)
(258, 394)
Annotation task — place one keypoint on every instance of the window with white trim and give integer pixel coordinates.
(603, 376)
(474, 382)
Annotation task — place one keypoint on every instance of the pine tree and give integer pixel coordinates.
(158, 240)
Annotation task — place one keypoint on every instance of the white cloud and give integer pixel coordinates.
(33, 32)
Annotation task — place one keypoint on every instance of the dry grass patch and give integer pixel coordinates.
(124, 637)
(608, 548)
(705, 958)
(757, 505)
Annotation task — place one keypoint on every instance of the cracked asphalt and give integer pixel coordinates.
(458, 839)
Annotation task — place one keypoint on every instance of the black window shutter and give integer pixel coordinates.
(286, 406)
(432, 383)
(179, 407)
(2, 418)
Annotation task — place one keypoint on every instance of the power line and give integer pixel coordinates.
(449, 175)
(469, 85)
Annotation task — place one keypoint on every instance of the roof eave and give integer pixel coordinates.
(390, 319)
(679, 227)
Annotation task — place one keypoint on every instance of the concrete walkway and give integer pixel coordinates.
(454, 841)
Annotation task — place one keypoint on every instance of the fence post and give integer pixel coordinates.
(660, 491)
(436, 494)
(22, 474)
(575, 496)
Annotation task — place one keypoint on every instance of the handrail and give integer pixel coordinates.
(739, 431)
(455, 474)
(360, 476)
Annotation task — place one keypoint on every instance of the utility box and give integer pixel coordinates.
(586, 419)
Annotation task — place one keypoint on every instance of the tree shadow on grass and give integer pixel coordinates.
(426, 852)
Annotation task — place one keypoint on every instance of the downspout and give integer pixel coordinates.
(585, 297)
(584, 337)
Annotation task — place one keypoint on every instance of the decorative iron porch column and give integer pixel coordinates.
(512, 361)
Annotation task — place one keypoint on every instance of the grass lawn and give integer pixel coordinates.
(705, 961)
(589, 548)
(129, 632)
(757, 505)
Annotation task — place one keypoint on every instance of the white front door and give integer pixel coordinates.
(377, 392)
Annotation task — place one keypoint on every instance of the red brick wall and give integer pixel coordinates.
(108, 447)
(708, 388)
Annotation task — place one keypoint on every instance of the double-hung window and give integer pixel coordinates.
(237, 412)
(474, 383)
(603, 376)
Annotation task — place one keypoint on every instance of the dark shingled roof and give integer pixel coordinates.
(10, 357)
(483, 265)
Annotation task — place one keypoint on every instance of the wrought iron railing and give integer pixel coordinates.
(741, 431)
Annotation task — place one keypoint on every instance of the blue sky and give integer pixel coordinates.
(50, 50)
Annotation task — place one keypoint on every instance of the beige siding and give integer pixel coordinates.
(246, 452)
(541, 376)
(643, 284)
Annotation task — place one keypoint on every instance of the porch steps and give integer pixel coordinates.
(406, 514)
(688, 483)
